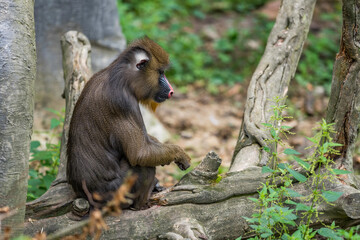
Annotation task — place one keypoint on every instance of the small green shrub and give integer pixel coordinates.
(353, 233)
(274, 218)
(44, 163)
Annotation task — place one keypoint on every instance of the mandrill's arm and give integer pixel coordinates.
(144, 150)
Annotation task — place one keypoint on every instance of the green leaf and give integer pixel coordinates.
(331, 196)
(266, 169)
(54, 111)
(297, 176)
(312, 233)
(267, 125)
(42, 155)
(265, 235)
(323, 159)
(339, 171)
(33, 173)
(328, 233)
(30, 196)
(48, 179)
(282, 165)
(273, 193)
(293, 193)
(290, 202)
(254, 226)
(302, 207)
(291, 223)
(34, 145)
(291, 216)
(34, 182)
(286, 127)
(253, 199)
(290, 151)
(333, 144)
(312, 140)
(302, 163)
(273, 133)
(297, 235)
(54, 123)
(251, 220)
(267, 149)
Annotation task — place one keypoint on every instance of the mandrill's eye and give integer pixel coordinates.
(161, 72)
(140, 65)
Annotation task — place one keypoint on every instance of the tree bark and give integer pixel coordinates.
(17, 75)
(344, 102)
(271, 79)
(205, 206)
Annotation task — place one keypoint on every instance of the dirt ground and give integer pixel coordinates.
(200, 122)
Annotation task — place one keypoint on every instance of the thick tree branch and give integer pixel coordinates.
(191, 216)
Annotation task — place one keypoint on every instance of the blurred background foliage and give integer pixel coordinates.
(220, 42)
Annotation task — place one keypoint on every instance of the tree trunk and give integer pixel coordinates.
(207, 207)
(343, 108)
(17, 75)
(271, 79)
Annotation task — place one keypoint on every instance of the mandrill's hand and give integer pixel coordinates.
(183, 161)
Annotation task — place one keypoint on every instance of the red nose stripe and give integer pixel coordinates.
(171, 92)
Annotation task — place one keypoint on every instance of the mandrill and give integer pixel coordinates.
(107, 136)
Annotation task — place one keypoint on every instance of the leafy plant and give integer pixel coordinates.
(44, 163)
(353, 233)
(273, 218)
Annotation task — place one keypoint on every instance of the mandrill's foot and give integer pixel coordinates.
(158, 188)
(144, 207)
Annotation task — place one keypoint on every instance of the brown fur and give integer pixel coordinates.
(107, 136)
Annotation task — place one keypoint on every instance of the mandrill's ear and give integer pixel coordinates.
(141, 59)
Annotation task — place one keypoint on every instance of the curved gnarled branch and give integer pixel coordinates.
(271, 79)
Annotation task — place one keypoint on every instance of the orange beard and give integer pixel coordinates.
(151, 104)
